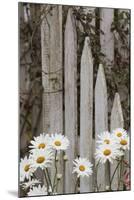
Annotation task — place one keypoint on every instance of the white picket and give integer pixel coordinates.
(70, 92)
(52, 71)
(86, 111)
(45, 76)
(101, 119)
(117, 121)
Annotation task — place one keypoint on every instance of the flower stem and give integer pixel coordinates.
(114, 173)
(47, 172)
(46, 181)
(107, 175)
(121, 174)
(96, 182)
(76, 184)
(55, 171)
(57, 185)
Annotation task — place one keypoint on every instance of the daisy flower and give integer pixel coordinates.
(25, 169)
(40, 142)
(82, 167)
(124, 142)
(59, 142)
(106, 152)
(106, 138)
(35, 191)
(30, 183)
(41, 158)
(119, 132)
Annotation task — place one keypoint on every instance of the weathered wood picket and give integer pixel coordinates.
(60, 95)
(86, 111)
(70, 87)
(52, 68)
(116, 121)
(101, 117)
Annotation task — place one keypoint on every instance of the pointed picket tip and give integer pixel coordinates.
(117, 120)
(70, 24)
(86, 44)
(101, 104)
(86, 53)
(69, 14)
(70, 40)
(101, 78)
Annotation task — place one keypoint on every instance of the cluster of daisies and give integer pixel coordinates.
(43, 152)
(43, 149)
(111, 146)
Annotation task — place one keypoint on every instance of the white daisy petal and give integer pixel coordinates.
(26, 171)
(35, 191)
(122, 139)
(30, 183)
(82, 167)
(106, 138)
(106, 152)
(59, 142)
(40, 142)
(119, 132)
(41, 158)
(124, 142)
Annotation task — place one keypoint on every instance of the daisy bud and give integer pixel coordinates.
(59, 176)
(65, 158)
(57, 158)
(107, 187)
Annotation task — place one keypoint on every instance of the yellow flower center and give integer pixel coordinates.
(107, 152)
(119, 134)
(82, 168)
(57, 143)
(26, 168)
(107, 141)
(40, 159)
(41, 146)
(123, 142)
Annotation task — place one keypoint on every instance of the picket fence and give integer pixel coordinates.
(60, 103)
(60, 111)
